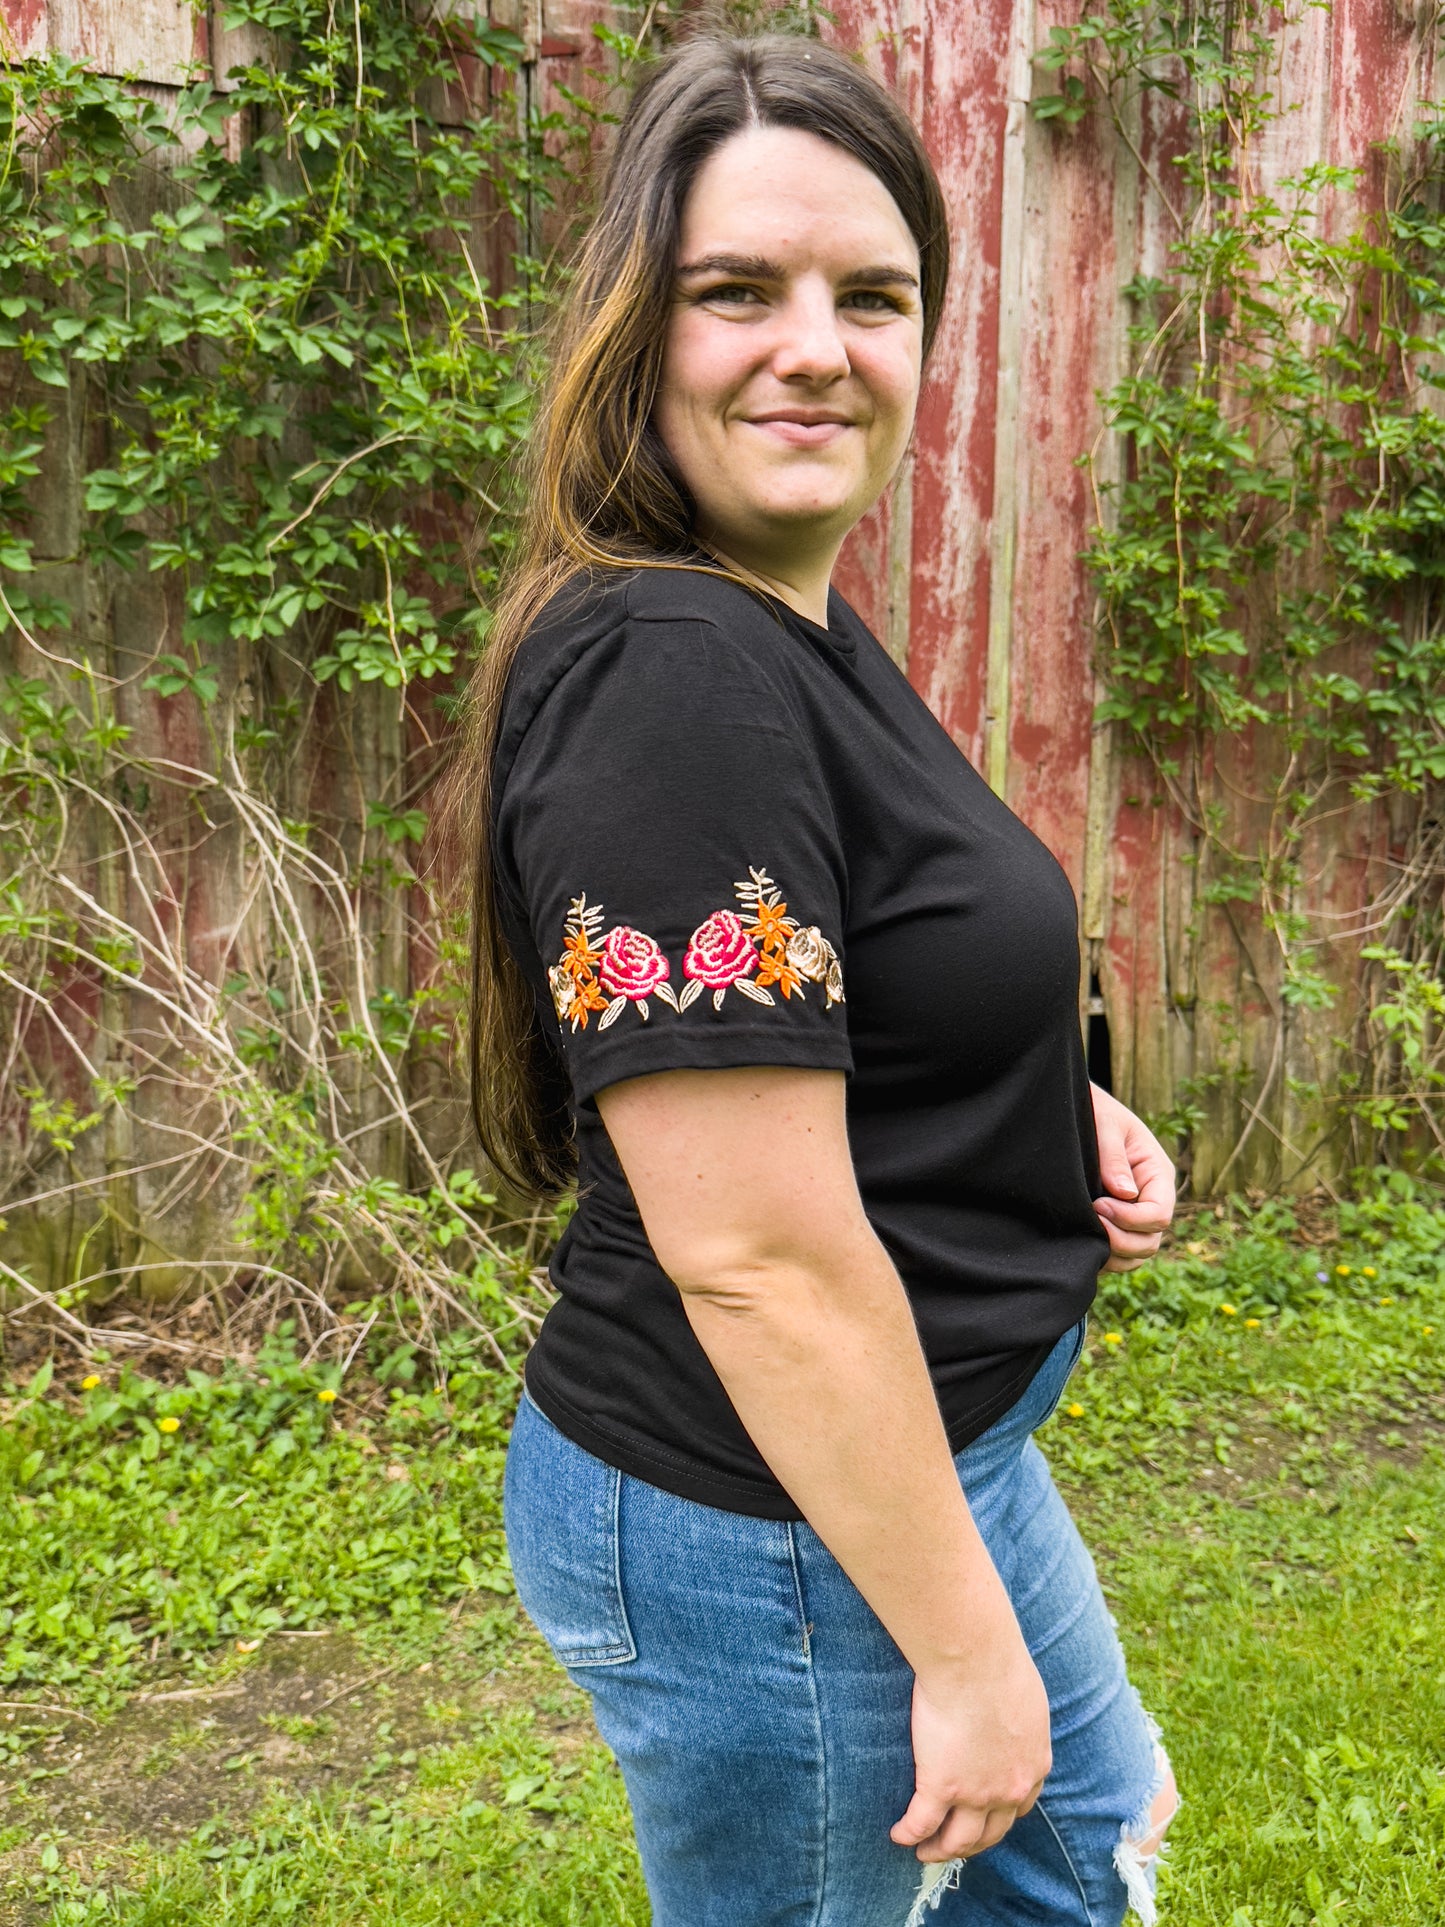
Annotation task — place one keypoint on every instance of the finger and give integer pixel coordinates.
(1131, 1244)
(923, 1819)
(961, 1834)
(999, 1820)
(1142, 1219)
(1026, 1806)
(1152, 1168)
(1115, 1168)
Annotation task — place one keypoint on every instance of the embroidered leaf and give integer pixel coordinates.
(718, 996)
(614, 1011)
(642, 1008)
(691, 995)
(666, 993)
(752, 990)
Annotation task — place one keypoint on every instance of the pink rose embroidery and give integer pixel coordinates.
(720, 954)
(632, 964)
(605, 974)
(631, 969)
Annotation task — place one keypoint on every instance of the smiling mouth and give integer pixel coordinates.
(802, 431)
(802, 418)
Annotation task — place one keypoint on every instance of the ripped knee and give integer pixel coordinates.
(1141, 1841)
(1162, 1809)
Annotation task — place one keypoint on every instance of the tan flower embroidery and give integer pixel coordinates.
(756, 952)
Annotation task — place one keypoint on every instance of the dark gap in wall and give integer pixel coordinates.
(1101, 1061)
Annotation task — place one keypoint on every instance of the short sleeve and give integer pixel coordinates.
(668, 841)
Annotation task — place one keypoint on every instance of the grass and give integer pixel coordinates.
(139, 1519)
(1254, 1444)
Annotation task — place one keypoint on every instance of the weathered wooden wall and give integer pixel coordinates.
(970, 570)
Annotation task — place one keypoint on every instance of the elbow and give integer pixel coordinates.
(733, 1283)
(751, 1278)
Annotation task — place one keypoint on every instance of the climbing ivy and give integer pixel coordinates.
(285, 327)
(1268, 557)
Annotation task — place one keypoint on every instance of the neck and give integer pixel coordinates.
(803, 587)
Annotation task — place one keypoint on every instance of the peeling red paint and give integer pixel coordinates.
(25, 24)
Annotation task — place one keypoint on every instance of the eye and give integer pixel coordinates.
(729, 294)
(873, 301)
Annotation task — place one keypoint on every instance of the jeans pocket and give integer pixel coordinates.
(561, 1509)
(1059, 1367)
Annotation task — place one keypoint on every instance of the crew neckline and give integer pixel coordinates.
(836, 634)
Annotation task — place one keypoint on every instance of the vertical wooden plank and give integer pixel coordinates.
(1068, 349)
(1003, 532)
(1132, 913)
(875, 570)
(228, 48)
(966, 66)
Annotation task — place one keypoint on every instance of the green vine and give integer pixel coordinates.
(264, 358)
(1268, 561)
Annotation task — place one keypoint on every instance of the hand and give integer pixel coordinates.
(1138, 1176)
(981, 1753)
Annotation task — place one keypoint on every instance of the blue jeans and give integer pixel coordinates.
(760, 1711)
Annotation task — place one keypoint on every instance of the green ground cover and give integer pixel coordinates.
(261, 1664)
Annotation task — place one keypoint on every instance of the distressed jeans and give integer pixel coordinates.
(760, 1711)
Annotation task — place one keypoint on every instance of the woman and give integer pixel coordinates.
(764, 961)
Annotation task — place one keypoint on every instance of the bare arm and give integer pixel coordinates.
(745, 1185)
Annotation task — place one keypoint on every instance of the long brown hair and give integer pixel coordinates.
(601, 491)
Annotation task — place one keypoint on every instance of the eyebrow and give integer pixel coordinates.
(755, 267)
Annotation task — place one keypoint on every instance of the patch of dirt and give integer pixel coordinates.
(304, 1712)
(1268, 1454)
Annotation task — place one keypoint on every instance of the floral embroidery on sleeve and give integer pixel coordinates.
(626, 967)
(754, 953)
(791, 952)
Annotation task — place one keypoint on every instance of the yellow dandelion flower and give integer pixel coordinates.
(89, 1383)
(1230, 1311)
(1427, 1331)
(1368, 1271)
(1251, 1324)
(1075, 1410)
(1342, 1271)
(1113, 1338)
(1384, 1301)
(168, 1425)
(327, 1397)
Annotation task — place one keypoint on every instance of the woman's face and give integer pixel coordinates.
(794, 351)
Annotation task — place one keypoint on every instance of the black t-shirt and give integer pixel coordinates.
(726, 836)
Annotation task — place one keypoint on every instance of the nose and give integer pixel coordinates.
(810, 345)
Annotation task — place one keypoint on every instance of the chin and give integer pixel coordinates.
(823, 511)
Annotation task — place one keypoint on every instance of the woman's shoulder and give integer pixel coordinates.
(655, 655)
(641, 630)
(593, 604)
